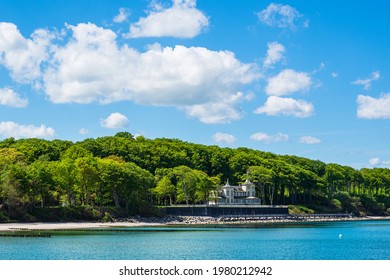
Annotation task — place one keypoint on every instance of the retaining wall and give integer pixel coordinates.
(215, 211)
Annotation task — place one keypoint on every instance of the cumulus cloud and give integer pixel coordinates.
(276, 106)
(90, 66)
(23, 57)
(282, 16)
(17, 131)
(220, 137)
(288, 81)
(309, 140)
(83, 67)
(115, 120)
(124, 13)
(373, 108)
(203, 83)
(224, 111)
(9, 97)
(366, 83)
(264, 137)
(274, 54)
(182, 20)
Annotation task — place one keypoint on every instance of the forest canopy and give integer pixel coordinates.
(132, 173)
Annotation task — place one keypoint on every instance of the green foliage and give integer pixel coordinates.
(3, 216)
(75, 152)
(350, 203)
(107, 217)
(372, 206)
(125, 134)
(133, 173)
(336, 204)
(299, 210)
(165, 190)
(63, 214)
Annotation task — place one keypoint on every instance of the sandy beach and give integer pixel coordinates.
(166, 221)
(68, 226)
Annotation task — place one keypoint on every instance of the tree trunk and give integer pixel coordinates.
(115, 197)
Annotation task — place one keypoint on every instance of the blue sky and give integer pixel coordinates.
(306, 78)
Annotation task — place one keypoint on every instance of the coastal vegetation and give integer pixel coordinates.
(126, 175)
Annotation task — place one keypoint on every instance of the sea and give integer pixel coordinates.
(348, 240)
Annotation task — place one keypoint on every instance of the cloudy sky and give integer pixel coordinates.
(307, 78)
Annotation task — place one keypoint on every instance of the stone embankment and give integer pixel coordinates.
(203, 220)
(24, 229)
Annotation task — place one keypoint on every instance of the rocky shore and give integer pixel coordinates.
(242, 220)
(182, 221)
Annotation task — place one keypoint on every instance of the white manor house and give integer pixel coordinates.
(242, 194)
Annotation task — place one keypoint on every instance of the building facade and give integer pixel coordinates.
(243, 194)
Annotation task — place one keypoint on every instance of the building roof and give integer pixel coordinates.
(228, 185)
(238, 188)
(248, 182)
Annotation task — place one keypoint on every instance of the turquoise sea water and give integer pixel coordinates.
(360, 240)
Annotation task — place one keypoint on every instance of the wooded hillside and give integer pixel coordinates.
(133, 173)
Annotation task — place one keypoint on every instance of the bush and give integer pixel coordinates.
(372, 206)
(350, 204)
(318, 198)
(381, 207)
(384, 199)
(107, 218)
(336, 204)
(3, 217)
(147, 210)
(299, 210)
(95, 214)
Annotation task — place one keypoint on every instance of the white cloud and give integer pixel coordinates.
(320, 68)
(23, 57)
(334, 74)
(366, 83)
(17, 131)
(220, 137)
(274, 54)
(374, 161)
(309, 140)
(275, 106)
(82, 71)
(9, 97)
(378, 162)
(288, 81)
(83, 131)
(282, 16)
(195, 79)
(115, 120)
(182, 20)
(373, 108)
(89, 66)
(124, 13)
(264, 137)
(224, 111)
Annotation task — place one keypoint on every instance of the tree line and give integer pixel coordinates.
(132, 173)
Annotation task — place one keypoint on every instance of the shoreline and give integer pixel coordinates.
(176, 221)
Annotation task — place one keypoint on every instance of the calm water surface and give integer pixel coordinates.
(360, 240)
